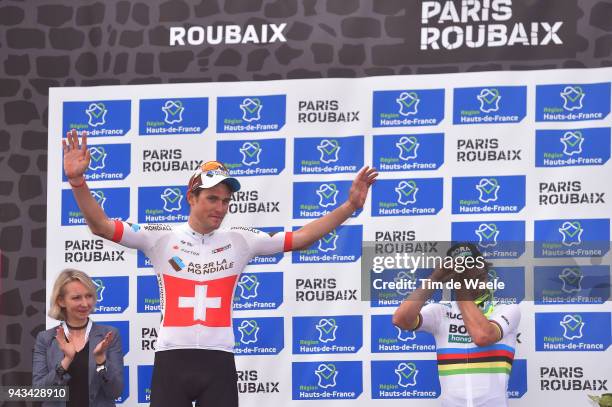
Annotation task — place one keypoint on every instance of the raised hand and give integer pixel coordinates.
(66, 347)
(76, 157)
(100, 349)
(361, 184)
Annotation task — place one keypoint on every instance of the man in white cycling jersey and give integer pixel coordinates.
(197, 266)
(475, 336)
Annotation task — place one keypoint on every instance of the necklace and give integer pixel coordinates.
(77, 328)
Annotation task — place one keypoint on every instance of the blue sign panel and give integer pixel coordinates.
(147, 294)
(328, 155)
(341, 245)
(102, 118)
(572, 102)
(407, 197)
(114, 201)
(566, 148)
(259, 336)
(490, 105)
(571, 284)
(328, 334)
(252, 157)
(108, 162)
(388, 338)
(399, 108)
(247, 114)
(165, 204)
(410, 152)
(257, 291)
(145, 374)
(160, 117)
(112, 294)
(572, 331)
(326, 380)
(499, 194)
(572, 237)
(399, 379)
(316, 199)
(495, 239)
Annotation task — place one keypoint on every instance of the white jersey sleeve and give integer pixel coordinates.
(431, 316)
(261, 243)
(507, 317)
(135, 236)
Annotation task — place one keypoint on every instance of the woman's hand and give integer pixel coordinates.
(100, 350)
(66, 347)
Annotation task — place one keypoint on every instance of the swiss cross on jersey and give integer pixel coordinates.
(190, 302)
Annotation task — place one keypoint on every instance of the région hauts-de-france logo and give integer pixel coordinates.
(173, 111)
(99, 289)
(571, 277)
(572, 326)
(487, 234)
(488, 189)
(328, 150)
(251, 109)
(408, 148)
(327, 328)
(405, 335)
(327, 195)
(326, 374)
(172, 198)
(572, 97)
(248, 285)
(97, 114)
(328, 242)
(406, 374)
(251, 151)
(572, 142)
(408, 103)
(407, 192)
(98, 158)
(248, 331)
(489, 100)
(571, 233)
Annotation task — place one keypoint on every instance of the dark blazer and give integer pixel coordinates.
(103, 388)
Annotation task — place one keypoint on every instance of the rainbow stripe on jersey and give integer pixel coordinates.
(496, 358)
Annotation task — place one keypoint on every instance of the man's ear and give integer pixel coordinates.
(190, 198)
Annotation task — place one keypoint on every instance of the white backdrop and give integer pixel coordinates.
(407, 123)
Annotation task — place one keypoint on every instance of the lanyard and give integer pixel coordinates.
(67, 331)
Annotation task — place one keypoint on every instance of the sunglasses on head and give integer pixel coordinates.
(207, 169)
(213, 166)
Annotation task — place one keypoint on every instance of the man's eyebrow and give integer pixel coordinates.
(218, 197)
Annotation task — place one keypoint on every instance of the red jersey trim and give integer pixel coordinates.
(288, 246)
(118, 231)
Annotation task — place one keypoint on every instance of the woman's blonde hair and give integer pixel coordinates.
(65, 277)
